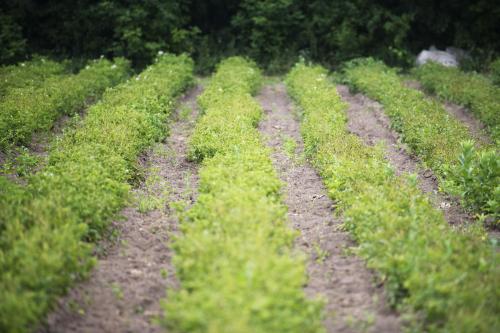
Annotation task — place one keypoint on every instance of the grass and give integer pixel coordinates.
(445, 280)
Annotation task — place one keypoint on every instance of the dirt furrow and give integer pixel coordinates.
(353, 302)
(366, 118)
(134, 269)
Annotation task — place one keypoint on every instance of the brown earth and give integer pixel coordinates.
(366, 118)
(353, 301)
(134, 270)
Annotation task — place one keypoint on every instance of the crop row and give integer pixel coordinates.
(447, 279)
(30, 73)
(43, 247)
(34, 108)
(472, 90)
(443, 143)
(234, 259)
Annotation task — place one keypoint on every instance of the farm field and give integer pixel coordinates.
(240, 202)
(249, 166)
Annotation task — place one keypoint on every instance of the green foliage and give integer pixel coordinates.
(431, 133)
(235, 262)
(42, 247)
(274, 33)
(426, 127)
(476, 179)
(427, 267)
(29, 73)
(11, 39)
(469, 89)
(30, 109)
(495, 71)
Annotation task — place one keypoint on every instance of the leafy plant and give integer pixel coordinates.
(469, 89)
(476, 179)
(431, 271)
(234, 259)
(43, 236)
(29, 109)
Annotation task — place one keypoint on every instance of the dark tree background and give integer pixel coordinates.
(273, 32)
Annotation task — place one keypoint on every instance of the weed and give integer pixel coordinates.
(185, 112)
(117, 290)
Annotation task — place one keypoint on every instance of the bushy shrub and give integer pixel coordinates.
(476, 179)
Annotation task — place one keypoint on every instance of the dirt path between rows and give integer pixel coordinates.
(366, 118)
(124, 290)
(476, 128)
(353, 302)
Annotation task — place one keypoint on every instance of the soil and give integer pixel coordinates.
(476, 128)
(366, 118)
(134, 270)
(354, 303)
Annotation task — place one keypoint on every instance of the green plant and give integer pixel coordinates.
(234, 259)
(43, 236)
(469, 89)
(289, 146)
(427, 128)
(445, 279)
(495, 71)
(29, 73)
(29, 109)
(476, 179)
(154, 193)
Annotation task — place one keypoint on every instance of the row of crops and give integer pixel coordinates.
(235, 257)
(33, 102)
(466, 168)
(45, 225)
(449, 278)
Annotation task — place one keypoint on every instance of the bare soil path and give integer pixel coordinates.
(133, 273)
(366, 118)
(353, 302)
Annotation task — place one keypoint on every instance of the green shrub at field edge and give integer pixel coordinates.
(495, 71)
(35, 108)
(472, 90)
(235, 260)
(42, 247)
(448, 279)
(431, 133)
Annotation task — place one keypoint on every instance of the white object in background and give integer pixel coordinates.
(444, 58)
